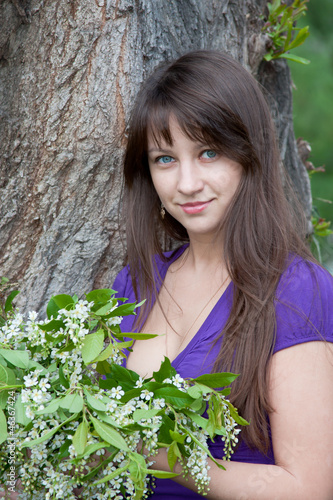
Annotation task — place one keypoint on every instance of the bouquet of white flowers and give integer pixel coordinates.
(70, 409)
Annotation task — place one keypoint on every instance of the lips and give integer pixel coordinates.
(195, 207)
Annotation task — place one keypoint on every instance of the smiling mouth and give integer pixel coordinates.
(195, 207)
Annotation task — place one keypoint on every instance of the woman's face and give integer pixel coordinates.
(194, 183)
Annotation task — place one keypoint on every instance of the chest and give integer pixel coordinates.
(176, 320)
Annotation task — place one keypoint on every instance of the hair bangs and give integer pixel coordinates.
(200, 123)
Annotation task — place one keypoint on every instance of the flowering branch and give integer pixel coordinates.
(65, 397)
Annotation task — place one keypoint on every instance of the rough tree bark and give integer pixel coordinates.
(69, 71)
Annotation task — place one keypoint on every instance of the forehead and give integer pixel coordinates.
(164, 132)
(165, 135)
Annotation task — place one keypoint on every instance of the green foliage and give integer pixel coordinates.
(281, 29)
(65, 412)
(6, 299)
(313, 117)
(321, 230)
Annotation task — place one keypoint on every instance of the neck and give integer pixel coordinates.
(205, 254)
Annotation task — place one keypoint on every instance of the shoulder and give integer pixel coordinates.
(304, 273)
(304, 304)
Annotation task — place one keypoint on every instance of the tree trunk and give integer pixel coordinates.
(69, 71)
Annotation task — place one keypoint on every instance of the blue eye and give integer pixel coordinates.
(164, 159)
(209, 154)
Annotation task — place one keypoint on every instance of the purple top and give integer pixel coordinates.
(304, 301)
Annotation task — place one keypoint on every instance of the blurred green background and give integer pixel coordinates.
(313, 107)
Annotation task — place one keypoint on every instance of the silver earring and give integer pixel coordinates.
(162, 211)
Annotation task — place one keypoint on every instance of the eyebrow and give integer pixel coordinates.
(199, 145)
(158, 150)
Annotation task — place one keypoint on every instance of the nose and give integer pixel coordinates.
(189, 178)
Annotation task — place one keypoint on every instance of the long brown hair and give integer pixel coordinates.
(216, 101)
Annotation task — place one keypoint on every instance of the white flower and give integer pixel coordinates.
(141, 405)
(25, 395)
(139, 383)
(30, 381)
(37, 396)
(177, 380)
(159, 403)
(44, 384)
(33, 434)
(111, 406)
(117, 392)
(146, 395)
(116, 320)
(33, 316)
(29, 413)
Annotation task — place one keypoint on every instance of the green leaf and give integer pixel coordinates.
(72, 402)
(53, 325)
(293, 57)
(3, 376)
(16, 358)
(92, 346)
(109, 434)
(124, 345)
(167, 425)
(138, 336)
(69, 346)
(102, 311)
(20, 415)
(63, 380)
(105, 418)
(177, 437)
(194, 391)
(201, 421)
(234, 413)
(80, 437)
(198, 405)
(9, 300)
(3, 399)
(173, 455)
(113, 474)
(105, 354)
(161, 474)
(51, 408)
(174, 396)
(100, 295)
(103, 367)
(139, 414)
(124, 310)
(268, 57)
(137, 467)
(58, 302)
(92, 448)
(94, 403)
(216, 380)
(3, 427)
(299, 38)
(225, 391)
(34, 442)
(323, 232)
(198, 390)
(166, 371)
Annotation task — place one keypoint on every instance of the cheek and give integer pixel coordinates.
(232, 179)
(227, 182)
(158, 184)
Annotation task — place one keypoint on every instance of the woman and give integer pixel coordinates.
(243, 294)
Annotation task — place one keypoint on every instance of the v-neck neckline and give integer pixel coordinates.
(178, 253)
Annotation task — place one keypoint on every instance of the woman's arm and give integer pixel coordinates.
(301, 391)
